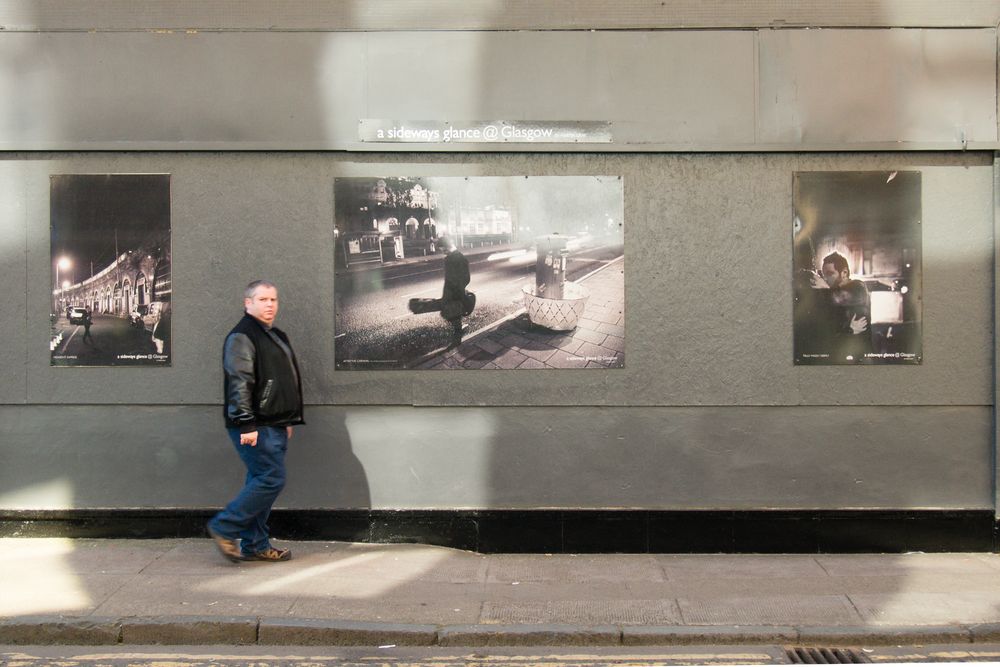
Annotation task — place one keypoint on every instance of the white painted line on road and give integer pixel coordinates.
(519, 280)
(339, 336)
(410, 275)
(70, 338)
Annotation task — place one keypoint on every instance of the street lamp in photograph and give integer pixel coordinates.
(63, 264)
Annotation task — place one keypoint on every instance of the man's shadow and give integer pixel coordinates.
(327, 484)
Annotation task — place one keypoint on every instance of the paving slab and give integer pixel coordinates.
(907, 608)
(583, 612)
(853, 565)
(192, 595)
(746, 587)
(441, 611)
(508, 568)
(778, 610)
(577, 589)
(88, 556)
(53, 591)
(738, 566)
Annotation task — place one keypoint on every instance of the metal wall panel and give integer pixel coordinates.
(671, 90)
(673, 87)
(308, 90)
(44, 15)
(524, 458)
(179, 90)
(843, 87)
(707, 275)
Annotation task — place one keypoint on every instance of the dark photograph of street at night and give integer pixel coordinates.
(110, 253)
(443, 273)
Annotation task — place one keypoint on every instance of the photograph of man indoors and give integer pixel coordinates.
(263, 401)
(851, 308)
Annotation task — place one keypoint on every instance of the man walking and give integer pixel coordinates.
(263, 400)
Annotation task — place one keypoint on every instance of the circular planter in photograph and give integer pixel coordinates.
(556, 314)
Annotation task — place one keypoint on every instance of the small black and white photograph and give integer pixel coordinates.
(857, 268)
(484, 272)
(110, 264)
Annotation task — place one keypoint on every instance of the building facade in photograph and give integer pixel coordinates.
(112, 286)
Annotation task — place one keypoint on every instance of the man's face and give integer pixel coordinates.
(832, 276)
(263, 305)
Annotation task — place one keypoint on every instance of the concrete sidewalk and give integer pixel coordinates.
(182, 591)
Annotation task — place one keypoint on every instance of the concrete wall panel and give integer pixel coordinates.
(13, 298)
(392, 15)
(446, 458)
(703, 90)
(167, 90)
(843, 87)
(708, 282)
(681, 87)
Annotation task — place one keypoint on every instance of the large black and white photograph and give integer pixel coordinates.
(110, 263)
(857, 268)
(516, 272)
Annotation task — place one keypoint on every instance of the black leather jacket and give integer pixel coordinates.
(262, 384)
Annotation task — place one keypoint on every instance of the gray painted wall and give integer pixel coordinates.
(708, 413)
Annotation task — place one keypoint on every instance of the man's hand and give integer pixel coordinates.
(817, 281)
(858, 324)
(249, 438)
(288, 430)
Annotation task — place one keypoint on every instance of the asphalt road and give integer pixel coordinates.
(374, 328)
(112, 342)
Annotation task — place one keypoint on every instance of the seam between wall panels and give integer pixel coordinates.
(756, 87)
(996, 338)
(27, 302)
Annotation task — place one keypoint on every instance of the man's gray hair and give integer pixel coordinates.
(252, 287)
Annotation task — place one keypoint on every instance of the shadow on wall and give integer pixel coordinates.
(323, 470)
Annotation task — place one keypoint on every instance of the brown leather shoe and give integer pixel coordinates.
(227, 547)
(269, 555)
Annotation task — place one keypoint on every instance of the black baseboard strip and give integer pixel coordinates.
(560, 531)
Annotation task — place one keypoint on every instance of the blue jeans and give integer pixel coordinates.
(246, 516)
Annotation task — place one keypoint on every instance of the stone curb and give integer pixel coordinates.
(985, 632)
(85, 631)
(881, 636)
(684, 635)
(246, 630)
(321, 632)
(179, 630)
(542, 634)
